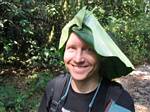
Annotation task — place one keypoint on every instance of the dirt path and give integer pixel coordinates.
(138, 85)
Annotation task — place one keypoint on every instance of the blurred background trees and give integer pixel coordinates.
(30, 31)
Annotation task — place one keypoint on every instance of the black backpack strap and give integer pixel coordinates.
(59, 86)
(113, 94)
(103, 94)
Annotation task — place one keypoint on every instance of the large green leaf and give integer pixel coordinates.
(77, 20)
(87, 27)
(103, 43)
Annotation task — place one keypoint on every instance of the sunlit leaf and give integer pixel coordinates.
(89, 29)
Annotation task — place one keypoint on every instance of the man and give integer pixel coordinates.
(92, 60)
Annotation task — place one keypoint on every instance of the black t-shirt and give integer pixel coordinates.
(75, 102)
(78, 102)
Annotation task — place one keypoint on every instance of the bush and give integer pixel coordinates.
(31, 28)
(24, 99)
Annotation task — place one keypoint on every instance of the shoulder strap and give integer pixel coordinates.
(59, 85)
(113, 93)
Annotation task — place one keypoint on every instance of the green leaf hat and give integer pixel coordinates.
(114, 63)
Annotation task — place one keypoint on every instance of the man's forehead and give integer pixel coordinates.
(75, 39)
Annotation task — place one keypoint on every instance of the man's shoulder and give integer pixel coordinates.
(55, 85)
(57, 80)
(116, 89)
(117, 93)
(113, 85)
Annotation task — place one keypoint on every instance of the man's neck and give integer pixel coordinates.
(85, 86)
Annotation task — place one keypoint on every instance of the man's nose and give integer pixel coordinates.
(79, 58)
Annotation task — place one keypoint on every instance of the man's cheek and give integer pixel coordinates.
(68, 56)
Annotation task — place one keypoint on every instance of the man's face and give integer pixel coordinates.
(80, 60)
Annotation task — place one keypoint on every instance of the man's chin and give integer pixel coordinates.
(79, 77)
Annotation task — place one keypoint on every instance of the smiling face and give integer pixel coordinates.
(80, 60)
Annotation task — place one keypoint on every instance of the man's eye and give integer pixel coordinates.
(89, 50)
(70, 48)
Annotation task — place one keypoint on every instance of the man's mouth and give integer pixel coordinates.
(80, 68)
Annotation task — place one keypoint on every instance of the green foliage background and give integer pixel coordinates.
(30, 31)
